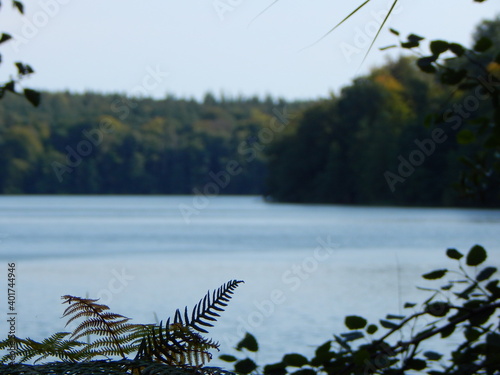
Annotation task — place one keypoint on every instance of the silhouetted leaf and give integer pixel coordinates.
(414, 38)
(486, 273)
(248, 342)
(425, 64)
(472, 334)
(483, 44)
(416, 364)
(387, 324)
(19, 6)
(439, 46)
(480, 319)
(23, 69)
(434, 275)
(387, 47)
(352, 336)
(409, 45)
(322, 353)
(447, 331)
(395, 317)
(33, 96)
(355, 322)
(454, 254)
(245, 366)
(295, 360)
(4, 37)
(228, 358)
(493, 288)
(409, 305)
(476, 256)
(457, 49)
(371, 329)
(433, 356)
(395, 32)
(275, 369)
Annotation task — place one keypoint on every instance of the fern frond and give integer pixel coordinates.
(204, 311)
(54, 346)
(117, 334)
(177, 345)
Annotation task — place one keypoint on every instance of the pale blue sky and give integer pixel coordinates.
(187, 48)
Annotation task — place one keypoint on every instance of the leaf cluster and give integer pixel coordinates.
(399, 344)
(23, 70)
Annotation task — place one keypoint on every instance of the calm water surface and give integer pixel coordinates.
(305, 266)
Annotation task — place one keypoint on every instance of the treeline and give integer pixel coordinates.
(110, 144)
(366, 145)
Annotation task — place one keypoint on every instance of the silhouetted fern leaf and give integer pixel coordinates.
(54, 346)
(178, 343)
(118, 337)
(205, 310)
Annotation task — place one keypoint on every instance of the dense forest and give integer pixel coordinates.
(366, 145)
(109, 144)
(356, 143)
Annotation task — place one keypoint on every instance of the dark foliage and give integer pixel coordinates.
(465, 309)
(22, 70)
(108, 144)
(177, 346)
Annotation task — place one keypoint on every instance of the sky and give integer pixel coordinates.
(187, 48)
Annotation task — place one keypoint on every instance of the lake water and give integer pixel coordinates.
(305, 266)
